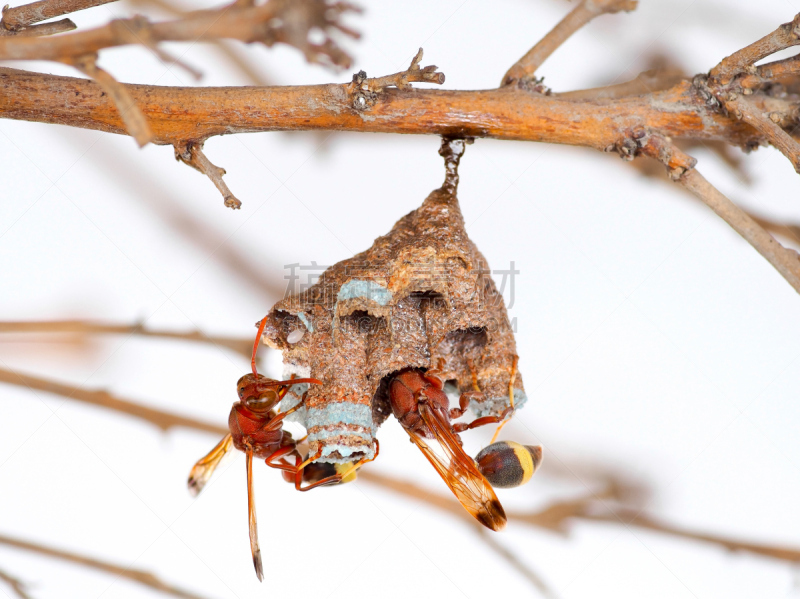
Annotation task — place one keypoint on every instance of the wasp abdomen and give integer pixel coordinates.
(508, 464)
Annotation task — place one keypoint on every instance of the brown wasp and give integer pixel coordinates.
(257, 429)
(422, 407)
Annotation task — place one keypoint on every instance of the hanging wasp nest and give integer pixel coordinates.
(420, 297)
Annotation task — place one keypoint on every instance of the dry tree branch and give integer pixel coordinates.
(644, 83)
(239, 345)
(513, 559)
(401, 80)
(104, 399)
(524, 70)
(681, 169)
(790, 231)
(224, 46)
(767, 124)
(178, 114)
(16, 585)
(786, 261)
(26, 15)
(192, 154)
(553, 518)
(709, 108)
(592, 507)
(134, 120)
(639, 520)
(783, 37)
(286, 21)
(776, 71)
(138, 576)
(733, 78)
(42, 29)
(278, 21)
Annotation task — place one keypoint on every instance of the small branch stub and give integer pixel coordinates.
(365, 90)
(191, 153)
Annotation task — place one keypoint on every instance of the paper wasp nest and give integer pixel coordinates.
(421, 296)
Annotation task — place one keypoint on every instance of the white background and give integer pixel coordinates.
(658, 348)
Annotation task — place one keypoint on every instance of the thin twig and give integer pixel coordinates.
(278, 21)
(790, 231)
(557, 516)
(785, 261)
(788, 67)
(135, 122)
(365, 91)
(138, 576)
(681, 169)
(785, 36)
(83, 327)
(230, 52)
(16, 585)
(645, 82)
(766, 124)
(633, 517)
(192, 154)
(403, 79)
(525, 68)
(104, 399)
(513, 559)
(41, 29)
(28, 14)
(553, 518)
(242, 62)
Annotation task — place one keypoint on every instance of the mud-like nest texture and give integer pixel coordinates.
(421, 297)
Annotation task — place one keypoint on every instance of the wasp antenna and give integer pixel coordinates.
(261, 326)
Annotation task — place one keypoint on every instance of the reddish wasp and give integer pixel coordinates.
(257, 429)
(422, 407)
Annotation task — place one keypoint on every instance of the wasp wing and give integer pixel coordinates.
(255, 550)
(205, 466)
(462, 476)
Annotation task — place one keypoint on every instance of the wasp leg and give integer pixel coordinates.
(463, 403)
(511, 380)
(354, 467)
(437, 372)
(460, 427)
(278, 458)
(298, 475)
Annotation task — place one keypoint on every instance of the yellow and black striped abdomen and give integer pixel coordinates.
(508, 464)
